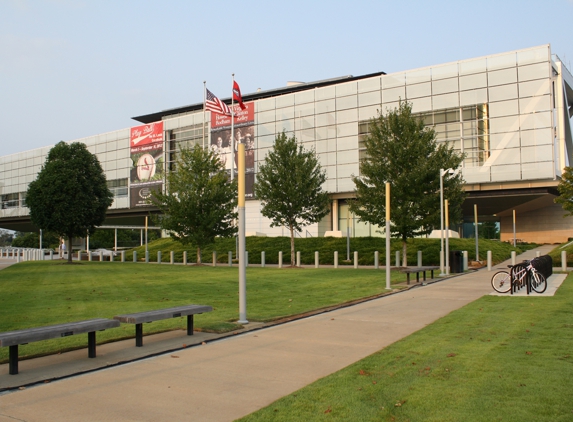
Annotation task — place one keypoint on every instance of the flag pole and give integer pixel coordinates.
(232, 133)
(204, 99)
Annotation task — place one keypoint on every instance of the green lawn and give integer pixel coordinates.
(43, 293)
(496, 359)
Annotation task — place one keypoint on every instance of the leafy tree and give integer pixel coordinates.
(105, 238)
(70, 196)
(200, 201)
(401, 151)
(565, 189)
(6, 238)
(32, 240)
(289, 186)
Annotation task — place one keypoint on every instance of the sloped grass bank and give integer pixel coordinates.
(37, 293)
(497, 359)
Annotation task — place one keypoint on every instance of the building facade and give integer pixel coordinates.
(510, 114)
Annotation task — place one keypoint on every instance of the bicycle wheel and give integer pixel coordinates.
(501, 282)
(538, 282)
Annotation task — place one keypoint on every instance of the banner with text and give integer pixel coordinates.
(146, 150)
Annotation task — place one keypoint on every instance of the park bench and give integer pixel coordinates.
(13, 339)
(139, 318)
(417, 271)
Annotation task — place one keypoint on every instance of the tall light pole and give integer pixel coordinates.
(442, 174)
(388, 275)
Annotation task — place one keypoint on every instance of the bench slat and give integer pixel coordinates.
(29, 335)
(149, 316)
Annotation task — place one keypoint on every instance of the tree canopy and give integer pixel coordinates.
(402, 151)
(565, 189)
(289, 186)
(200, 200)
(70, 196)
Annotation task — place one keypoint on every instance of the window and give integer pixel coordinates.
(185, 137)
(11, 200)
(118, 187)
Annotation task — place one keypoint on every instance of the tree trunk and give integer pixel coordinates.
(404, 253)
(69, 249)
(198, 255)
(292, 246)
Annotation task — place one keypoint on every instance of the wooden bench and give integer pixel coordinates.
(417, 271)
(139, 318)
(14, 338)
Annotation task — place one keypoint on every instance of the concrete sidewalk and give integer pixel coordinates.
(229, 378)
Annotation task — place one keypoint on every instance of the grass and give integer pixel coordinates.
(38, 293)
(366, 246)
(496, 359)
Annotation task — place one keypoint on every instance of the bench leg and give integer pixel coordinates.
(418, 277)
(13, 360)
(432, 274)
(424, 275)
(138, 335)
(189, 325)
(92, 344)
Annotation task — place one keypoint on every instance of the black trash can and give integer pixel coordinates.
(456, 262)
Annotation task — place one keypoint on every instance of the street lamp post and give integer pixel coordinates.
(442, 174)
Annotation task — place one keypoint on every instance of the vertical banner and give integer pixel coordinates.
(221, 143)
(146, 149)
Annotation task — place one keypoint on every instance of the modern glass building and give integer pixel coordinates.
(509, 113)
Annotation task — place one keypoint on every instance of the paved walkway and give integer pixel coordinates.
(226, 379)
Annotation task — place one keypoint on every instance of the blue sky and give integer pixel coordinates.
(75, 68)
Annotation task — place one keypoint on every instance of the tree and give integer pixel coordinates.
(32, 240)
(289, 186)
(200, 201)
(565, 189)
(70, 196)
(401, 151)
(6, 238)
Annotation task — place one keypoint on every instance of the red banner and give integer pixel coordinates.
(241, 116)
(146, 137)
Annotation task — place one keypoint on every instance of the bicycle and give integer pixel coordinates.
(503, 281)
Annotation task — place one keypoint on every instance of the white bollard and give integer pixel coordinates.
(147, 256)
(89, 256)
(159, 257)
(513, 256)
(489, 260)
(263, 259)
(298, 258)
(376, 260)
(134, 256)
(184, 257)
(335, 259)
(51, 255)
(172, 257)
(214, 258)
(316, 260)
(18, 256)
(419, 258)
(280, 259)
(230, 258)
(397, 258)
(465, 262)
(100, 256)
(563, 261)
(537, 254)
(246, 258)
(122, 256)
(355, 259)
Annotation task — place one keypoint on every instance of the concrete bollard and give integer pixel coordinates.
(420, 259)
(122, 256)
(513, 255)
(147, 256)
(397, 258)
(355, 259)
(489, 260)
(18, 256)
(134, 256)
(230, 254)
(214, 258)
(465, 260)
(280, 259)
(159, 257)
(51, 255)
(89, 256)
(172, 257)
(316, 260)
(537, 254)
(100, 256)
(335, 259)
(263, 259)
(298, 258)
(376, 260)
(184, 257)
(563, 261)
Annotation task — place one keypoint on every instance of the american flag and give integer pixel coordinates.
(215, 105)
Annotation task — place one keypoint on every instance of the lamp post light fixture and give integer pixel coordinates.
(443, 172)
